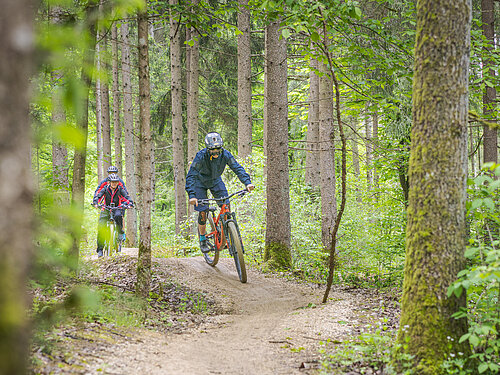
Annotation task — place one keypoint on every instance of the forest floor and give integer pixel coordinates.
(270, 325)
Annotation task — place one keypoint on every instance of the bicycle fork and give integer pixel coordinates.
(232, 219)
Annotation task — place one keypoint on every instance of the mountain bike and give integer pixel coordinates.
(224, 232)
(112, 240)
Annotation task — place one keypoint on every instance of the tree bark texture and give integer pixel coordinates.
(193, 93)
(277, 247)
(98, 113)
(117, 126)
(369, 152)
(106, 121)
(435, 236)
(355, 165)
(177, 133)
(244, 82)
(128, 132)
(327, 156)
(80, 158)
(490, 149)
(59, 150)
(313, 171)
(146, 160)
(374, 148)
(16, 221)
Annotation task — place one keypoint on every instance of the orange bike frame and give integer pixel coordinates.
(219, 239)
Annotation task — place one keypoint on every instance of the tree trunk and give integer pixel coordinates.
(193, 93)
(98, 113)
(355, 165)
(59, 150)
(244, 82)
(327, 156)
(78, 186)
(106, 121)
(313, 171)
(177, 134)
(435, 235)
(128, 134)
(192, 64)
(277, 247)
(490, 149)
(472, 153)
(369, 152)
(16, 222)
(117, 127)
(374, 149)
(146, 161)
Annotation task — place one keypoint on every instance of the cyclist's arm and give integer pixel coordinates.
(236, 167)
(98, 196)
(124, 199)
(101, 186)
(122, 184)
(192, 176)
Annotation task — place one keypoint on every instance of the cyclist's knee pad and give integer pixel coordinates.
(202, 217)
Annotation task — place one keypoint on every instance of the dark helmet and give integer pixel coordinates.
(213, 140)
(112, 169)
(113, 177)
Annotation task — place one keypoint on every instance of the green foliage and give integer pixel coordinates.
(373, 351)
(481, 279)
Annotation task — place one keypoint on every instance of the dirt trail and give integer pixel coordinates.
(269, 328)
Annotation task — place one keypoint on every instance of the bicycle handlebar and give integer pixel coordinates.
(208, 200)
(114, 208)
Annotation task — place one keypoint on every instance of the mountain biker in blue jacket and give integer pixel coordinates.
(111, 195)
(205, 174)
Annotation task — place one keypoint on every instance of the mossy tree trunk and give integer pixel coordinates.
(145, 159)
(277, 248)
(16, 205)
(435, 238)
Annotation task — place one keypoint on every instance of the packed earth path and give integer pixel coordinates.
(270, 325)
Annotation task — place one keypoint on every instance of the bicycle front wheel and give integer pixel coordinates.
(236, 249)
(212, 257)
(114, 240)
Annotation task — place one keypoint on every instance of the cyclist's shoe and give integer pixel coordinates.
(204, 246)
(99, 253)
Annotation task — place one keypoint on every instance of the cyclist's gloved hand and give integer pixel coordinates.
(193, 201)
(250, 187)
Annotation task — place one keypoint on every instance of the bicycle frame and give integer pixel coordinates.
(224, 217)
(225, 231)
(111, 239)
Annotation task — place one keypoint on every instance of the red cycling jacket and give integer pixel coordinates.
(108, 196)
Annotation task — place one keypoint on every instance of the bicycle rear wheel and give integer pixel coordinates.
(236, 248)
(212, 257)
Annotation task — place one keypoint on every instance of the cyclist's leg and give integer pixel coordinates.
(219, 190)
(101, 229)
(201, 193)
(118, 214)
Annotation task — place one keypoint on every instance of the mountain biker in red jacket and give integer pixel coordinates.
(205, 174)
(111, 195)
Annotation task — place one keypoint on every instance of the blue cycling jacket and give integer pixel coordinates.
(206, 171)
